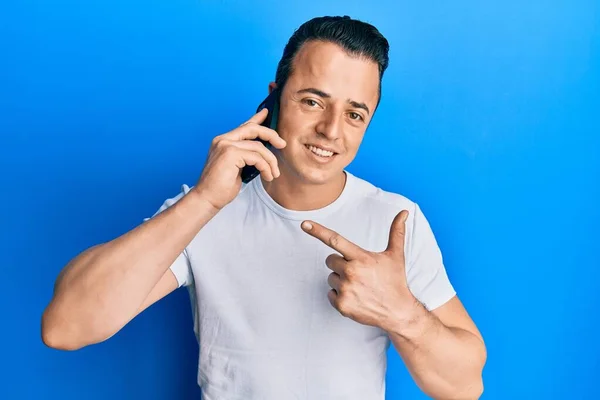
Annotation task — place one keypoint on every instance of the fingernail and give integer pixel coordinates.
(307, 225)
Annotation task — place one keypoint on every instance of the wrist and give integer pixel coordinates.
(195, 206)
(201, 198)
(412, 322)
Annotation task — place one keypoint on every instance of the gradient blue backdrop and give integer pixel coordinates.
(489, 120)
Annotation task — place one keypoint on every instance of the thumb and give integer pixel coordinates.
(397, 234)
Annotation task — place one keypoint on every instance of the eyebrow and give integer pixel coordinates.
(321, 93)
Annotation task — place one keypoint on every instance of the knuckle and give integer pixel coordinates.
(329, 259)
(353, 270)
(334, 240)
(350, 271)
(260, 148)
(342, 306)
(215, 141)
(263, 166)
(227, 150)
(222, 145)
(366, 259)
(330, 279)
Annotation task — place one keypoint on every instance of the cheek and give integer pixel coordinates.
(353, 141)
(292, 127)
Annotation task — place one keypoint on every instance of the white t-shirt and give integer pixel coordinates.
(258, 286)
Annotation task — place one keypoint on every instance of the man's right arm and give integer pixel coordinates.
(106, 286)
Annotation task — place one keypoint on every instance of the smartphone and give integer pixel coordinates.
(271, 103)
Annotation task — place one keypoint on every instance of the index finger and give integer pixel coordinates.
(252, 129)
(257, 118)
(346, 248)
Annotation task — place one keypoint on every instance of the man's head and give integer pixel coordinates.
(330, 82)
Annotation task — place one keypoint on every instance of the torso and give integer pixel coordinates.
(265, 327)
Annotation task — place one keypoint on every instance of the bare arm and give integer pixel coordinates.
(443, 351)
(106, 286)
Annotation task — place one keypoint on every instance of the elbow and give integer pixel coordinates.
(466, 384)
(479, 391)
(469, 388)
(473, 391)
(68, 336)
(473, 388)
(57, 335)
(56, 338)
(57, 332)
(63, 328)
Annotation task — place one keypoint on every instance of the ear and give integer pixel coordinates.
(272, 86)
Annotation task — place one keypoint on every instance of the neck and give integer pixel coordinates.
(296, 195)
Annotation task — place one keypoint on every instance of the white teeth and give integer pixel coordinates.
(320, 152)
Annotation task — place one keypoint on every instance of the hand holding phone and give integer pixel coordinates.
(245, 151)
(271, 103)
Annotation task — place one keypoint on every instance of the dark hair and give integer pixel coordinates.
(358, 38)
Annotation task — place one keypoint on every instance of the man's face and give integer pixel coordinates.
(326, 106)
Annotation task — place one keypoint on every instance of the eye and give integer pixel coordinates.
(311, 103)
(356, 116)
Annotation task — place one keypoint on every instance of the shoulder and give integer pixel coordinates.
(375, 199)
(378, 207)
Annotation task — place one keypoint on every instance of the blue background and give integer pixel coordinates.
(489, 120)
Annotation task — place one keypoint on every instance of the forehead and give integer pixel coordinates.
(328, 67)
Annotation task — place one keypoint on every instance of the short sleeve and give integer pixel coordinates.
(181, 267)
(426, 274)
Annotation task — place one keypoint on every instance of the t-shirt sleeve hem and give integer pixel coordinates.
(181, 269)
(440, 299)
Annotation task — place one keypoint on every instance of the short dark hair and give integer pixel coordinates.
(358, 38)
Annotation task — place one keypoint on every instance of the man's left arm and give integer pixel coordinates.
(439, 343)
(442, 349)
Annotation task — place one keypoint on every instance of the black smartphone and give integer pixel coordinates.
(271, 103)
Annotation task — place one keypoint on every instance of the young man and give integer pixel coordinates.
(302, 278)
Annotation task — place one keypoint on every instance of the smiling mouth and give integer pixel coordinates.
(320, 152)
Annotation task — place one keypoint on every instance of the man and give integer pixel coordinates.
(303, 277)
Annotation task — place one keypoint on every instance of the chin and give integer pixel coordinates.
(318, 176)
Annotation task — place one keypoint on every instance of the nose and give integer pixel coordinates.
(329, 125)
